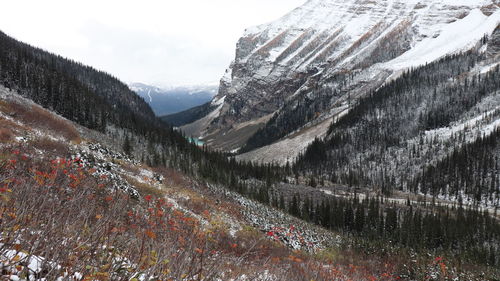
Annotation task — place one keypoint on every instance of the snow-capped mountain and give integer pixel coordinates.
(173, 99)
(335, 51)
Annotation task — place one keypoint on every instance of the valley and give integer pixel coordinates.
(348, 140)
(174, 99)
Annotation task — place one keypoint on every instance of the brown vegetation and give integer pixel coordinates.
(8, 130)
(6, 135)
(40, 118)
(50, 145)
(144, 188)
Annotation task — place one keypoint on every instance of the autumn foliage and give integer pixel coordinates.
(69, 218)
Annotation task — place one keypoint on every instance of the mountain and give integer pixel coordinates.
(174, 99)
(292, 77)
(98, 101)
(403, 185)
(90, 97)
(377, 96)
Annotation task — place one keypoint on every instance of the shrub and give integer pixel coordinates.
(38, 117)
(6, 135)
(49, 145)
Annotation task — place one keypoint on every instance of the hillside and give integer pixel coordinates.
(98, 101)
(64, 182)
(189, 115)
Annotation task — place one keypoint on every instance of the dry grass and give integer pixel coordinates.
(8, 130)
(38, 117)
(6, 135)
(144, 188)
(127, 166)
(172, 177)
(49, 145)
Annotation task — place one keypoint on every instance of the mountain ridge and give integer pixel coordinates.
(174, 99)
(308, 52)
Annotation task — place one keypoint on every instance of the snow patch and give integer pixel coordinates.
(218, 101)
(455, 37)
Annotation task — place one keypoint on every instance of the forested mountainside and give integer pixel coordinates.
(189, 115)
(67, 86)
(433, 130)
(99, 101)
(291, 76)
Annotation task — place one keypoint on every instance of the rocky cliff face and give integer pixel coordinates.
(290, 77)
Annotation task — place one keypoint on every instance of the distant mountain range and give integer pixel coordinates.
(171, 100)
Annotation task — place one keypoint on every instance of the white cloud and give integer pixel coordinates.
(152, 41)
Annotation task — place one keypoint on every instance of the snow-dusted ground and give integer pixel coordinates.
(427, 200)
(286, 150)
(282, 227)
(483, 124)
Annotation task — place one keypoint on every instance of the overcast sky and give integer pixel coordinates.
(161, 42)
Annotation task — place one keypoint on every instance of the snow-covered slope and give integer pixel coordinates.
(457, 36)
(337, 50)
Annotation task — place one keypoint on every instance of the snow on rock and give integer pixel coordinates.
(455, 37)
(10, 259)
(278, 226)
(95, 156)
(218, 101)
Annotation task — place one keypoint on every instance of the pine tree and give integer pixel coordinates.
(127, 146)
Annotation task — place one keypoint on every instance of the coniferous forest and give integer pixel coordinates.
(99, 101)
(376, 223)
(393, 139)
